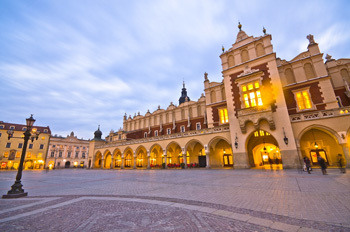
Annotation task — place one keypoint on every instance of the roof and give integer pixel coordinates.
(20, 127)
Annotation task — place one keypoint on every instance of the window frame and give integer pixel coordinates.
(296, 91)
(182, 129)
(200, 126)
(168, 131)
(226, 121)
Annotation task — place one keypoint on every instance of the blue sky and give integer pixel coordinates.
(77, 64)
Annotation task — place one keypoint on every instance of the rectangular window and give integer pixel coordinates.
(198, 126)
(41, 146)
(8, 145)
(83, 155)
(156, 133)
(223, 116)
(60, 154)
(182, 129)
(52, 154)
(6, 154)
(145, 135)
(0, 134)
(168, 131)
(20, 145)
(303, 100)
(18, 154)
(69, 154)
(76, 154)
(30, 146)
(252, 94)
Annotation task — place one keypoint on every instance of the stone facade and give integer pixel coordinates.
(266, 113)
(67, 152)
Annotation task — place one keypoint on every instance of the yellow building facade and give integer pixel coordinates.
(11, 149)
(67, 152)
(267, 112)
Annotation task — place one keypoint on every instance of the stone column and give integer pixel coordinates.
(122, 165)
(102, 162)
(135, 160)
(184, 155)
(207, 160)
(148, 160)
(165, 159)
(346, 154)
(112, 163)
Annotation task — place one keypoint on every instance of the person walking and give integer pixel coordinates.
(307, 164)
(341, 163)
(323, 165)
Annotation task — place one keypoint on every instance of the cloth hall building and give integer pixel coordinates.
(266, 113)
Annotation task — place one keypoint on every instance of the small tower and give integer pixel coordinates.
(183, 97)
(98, 134)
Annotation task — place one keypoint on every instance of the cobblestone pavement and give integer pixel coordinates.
(177, 200)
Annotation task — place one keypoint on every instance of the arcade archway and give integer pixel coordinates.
(220, 153)
(156, 156)
(98, 160)
(196, 153)
(108, 160)
(263, 151)
(320, 142)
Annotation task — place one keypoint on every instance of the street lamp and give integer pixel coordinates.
(16, 189)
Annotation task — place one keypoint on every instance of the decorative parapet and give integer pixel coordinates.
(320, 114)
(165, 137)
(255, 114)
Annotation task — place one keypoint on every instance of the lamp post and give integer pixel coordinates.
(16, 189)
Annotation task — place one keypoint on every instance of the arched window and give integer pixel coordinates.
(182, 114)
(345, 74)
(260, 51)
(199, 112)
(231, 61)
(166, 117)
(245, 56)
(289, 76)
(223, 94)
(212, 96)
(309, 71)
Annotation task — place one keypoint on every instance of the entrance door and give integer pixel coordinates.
(67, 165)
(228, 161)
(318, 152)
(202, 161)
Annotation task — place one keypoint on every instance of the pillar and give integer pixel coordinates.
(148, 160)
(112, 163)
(102, 163)
(165, 159)
(346, 154)
(184, 155)
(122, 165)
(135, 160)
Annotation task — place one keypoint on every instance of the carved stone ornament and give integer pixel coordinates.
(247, 71)
(311, 39)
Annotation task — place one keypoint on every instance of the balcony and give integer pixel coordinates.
(255, 114)
(166, 137)
(320, 114)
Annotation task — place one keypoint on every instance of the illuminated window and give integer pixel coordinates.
(252, 94)
(29, 155)
(303, 100)
(223, 116)
(6, 154)
(18, 154)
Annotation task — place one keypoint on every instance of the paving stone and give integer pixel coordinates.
(285, 227)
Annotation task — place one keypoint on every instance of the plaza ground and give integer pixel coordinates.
(177, 200)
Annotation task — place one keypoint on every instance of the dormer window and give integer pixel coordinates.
(12, 127)
(24, 128)
(251, 94)
(46, 130)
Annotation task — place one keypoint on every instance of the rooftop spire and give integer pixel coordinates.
(182, 99)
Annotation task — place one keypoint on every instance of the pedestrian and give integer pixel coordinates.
(307, 164)
(341, 163)
(323, 165)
